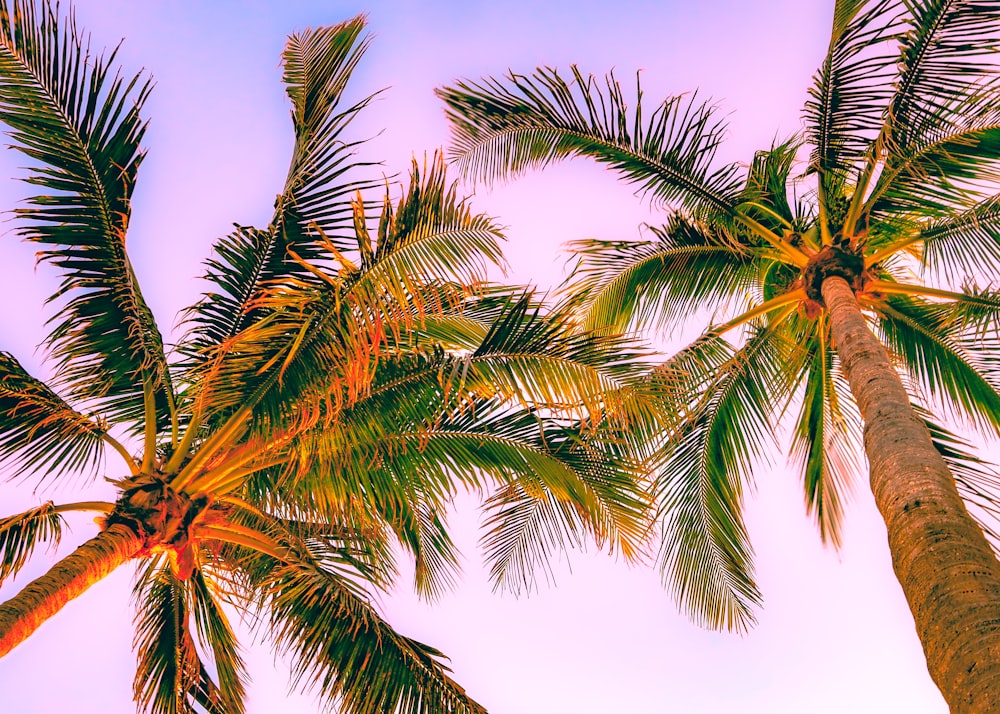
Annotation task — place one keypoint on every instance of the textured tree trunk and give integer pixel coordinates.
(949, 574)
(44, 597)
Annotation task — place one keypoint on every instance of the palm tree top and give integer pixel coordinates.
(347, 371)
(891, 185)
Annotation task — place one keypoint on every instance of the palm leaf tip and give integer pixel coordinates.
(343, 649)
(41, 432)
(326, 172)
(316, 65)
(21, 534)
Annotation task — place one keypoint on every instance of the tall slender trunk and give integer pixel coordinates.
(44, 597)
(948, 572)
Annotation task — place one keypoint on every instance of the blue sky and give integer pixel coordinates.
(834, 634)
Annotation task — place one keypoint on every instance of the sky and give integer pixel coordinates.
(834, 634)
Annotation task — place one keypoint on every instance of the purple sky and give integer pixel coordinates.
(834, 635)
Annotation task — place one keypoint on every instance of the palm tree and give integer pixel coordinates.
(339, 381)
(853, 295)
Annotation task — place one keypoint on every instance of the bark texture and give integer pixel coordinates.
(948, 572)
(45, 596)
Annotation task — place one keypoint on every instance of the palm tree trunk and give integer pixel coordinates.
(948, 572)
(44, 597)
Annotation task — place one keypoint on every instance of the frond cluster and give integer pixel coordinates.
(892, 186)
(346, 372)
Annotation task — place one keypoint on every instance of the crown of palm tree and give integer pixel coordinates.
(342, 377)
(891, 190)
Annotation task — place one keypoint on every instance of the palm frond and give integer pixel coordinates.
(171, 677)
(322, 180)
(525, 532)
(974, 316)
(323, 341)
(343, 650)
(382, 495)
(79, 121)
(730, 394)
(423, 531)
(948, 48)
(540, 358)
(765, 195)
(346, 542)
(413, 442)
(965, 242)
(638, 284)
(21, 534)
(320, 190)
(429, 236)
(825, 440)
(948, 167)
(977, 480)
(501, 128)
(39, 432)
(852, 87)
(464, 445)
(215, 631)
(528, 524)
(952, 369)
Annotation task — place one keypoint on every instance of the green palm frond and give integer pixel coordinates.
(171, 677)
(529, 525)
(345, 652)
(965, 242)
(453, 330)
(426, 416)
(953, 370)
(765, 195)
(382, 496)
(350, 542)
(21, 534)
(480, 444)
(39, 432)
(731, 395)
(347, 542)
(501, 128)
(385, 504)
(320, 190)
(825, 440)
(852, 87)
(637, 284)
(214, 630)
(407, 394)
(948, 167)
(322, 182)
(429, 236)
(977, 480)
(325, 338)
(424, 533)
(525, 533)
(80, 124)
(464, 445)
(234, 271)
(945, 52)
(973, 315)
(537, 357)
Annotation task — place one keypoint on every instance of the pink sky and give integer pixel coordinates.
(834, 635)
